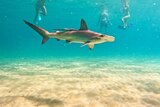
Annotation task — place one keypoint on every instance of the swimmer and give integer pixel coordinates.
(126, 13)
(104, 20)
(40, 9)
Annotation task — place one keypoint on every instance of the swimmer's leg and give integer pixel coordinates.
(124, 21)
(37, 17)
(106, 27)
(44, 10)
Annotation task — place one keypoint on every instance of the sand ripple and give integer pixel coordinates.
(80, 83)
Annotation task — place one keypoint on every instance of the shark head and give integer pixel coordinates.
(104, 38)
(108, 38)
(100, 37)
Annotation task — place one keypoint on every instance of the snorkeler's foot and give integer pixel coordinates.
(121, 27)
(39, 18)
(125, 27)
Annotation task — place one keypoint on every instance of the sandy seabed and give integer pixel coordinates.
(79, 83)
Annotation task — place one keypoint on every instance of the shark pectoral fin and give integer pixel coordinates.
(90, 46)
(86, 43)
(68, 41)
(83, 45)
(44, 40)
(83, 25)
(58, 39)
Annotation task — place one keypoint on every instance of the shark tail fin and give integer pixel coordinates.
(41, 31)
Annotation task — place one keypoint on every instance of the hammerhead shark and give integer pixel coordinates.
(83, 35)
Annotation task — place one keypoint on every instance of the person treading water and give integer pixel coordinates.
(104, 20)
(126, 13)
(40, 9)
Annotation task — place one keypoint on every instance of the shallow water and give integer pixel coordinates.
(112, 82)
(124, 73)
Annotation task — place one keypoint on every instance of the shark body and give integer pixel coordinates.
(83, 35)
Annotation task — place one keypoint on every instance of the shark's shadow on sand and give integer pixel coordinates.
(33, 101)
(45, 101)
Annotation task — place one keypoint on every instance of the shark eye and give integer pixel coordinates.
(101, 35)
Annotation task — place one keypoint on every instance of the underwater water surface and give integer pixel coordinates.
(124, 73)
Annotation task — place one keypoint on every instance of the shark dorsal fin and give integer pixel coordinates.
(83, 25)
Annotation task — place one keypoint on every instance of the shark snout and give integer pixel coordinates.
(110, 38)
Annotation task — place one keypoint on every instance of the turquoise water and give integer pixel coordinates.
(124, 73)
(18, 40)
